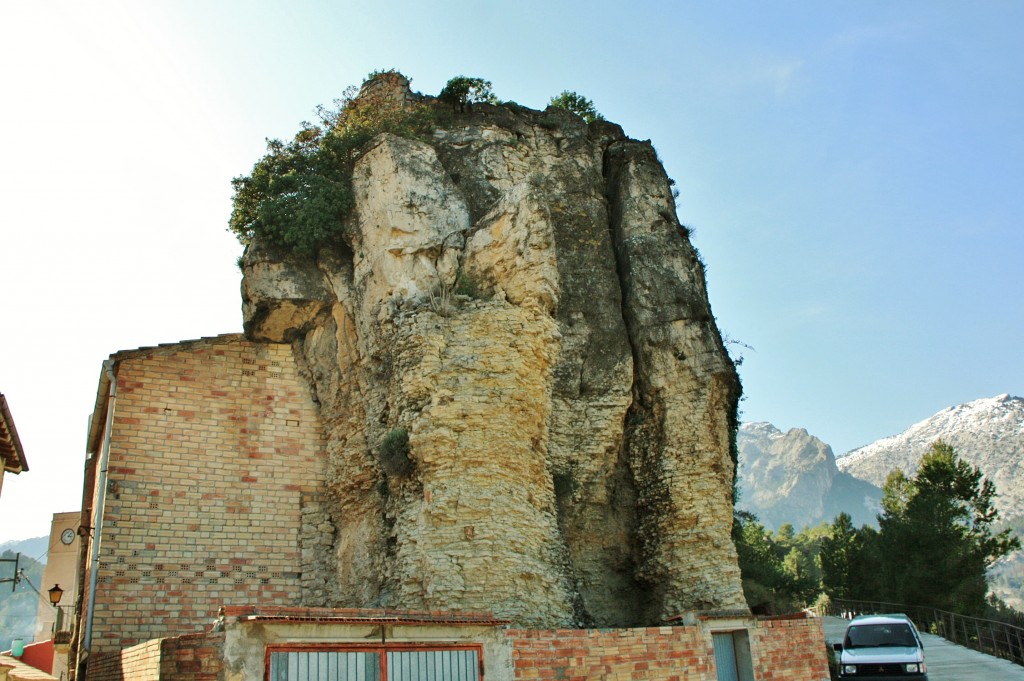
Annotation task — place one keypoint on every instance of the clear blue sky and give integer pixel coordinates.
(853, 170)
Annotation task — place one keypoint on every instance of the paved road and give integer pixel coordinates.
(947, 661)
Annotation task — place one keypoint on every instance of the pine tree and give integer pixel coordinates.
(936, 538)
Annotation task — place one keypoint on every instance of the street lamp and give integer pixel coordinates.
(55, 593)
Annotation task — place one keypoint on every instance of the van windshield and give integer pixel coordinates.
(879, 635)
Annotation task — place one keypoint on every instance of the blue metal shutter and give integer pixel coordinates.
(725, 657)
(324, 666)
(433, 665)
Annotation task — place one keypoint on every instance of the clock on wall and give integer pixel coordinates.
(67, 536)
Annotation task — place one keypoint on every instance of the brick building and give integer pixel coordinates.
(204, 458)
(207, 548)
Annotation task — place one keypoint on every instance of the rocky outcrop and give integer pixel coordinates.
(528, 406)
(792, 478)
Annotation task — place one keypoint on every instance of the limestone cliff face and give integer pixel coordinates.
(517, 298)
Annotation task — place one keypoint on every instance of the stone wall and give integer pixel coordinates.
(216, 462)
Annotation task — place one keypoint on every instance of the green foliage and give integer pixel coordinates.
(466, 285)
(393, 453)
(997, 610)
(935, 542)
(565, 484)
(850, 560)
(780, 572)
(461, 91)
(577, 104)
(297, 196)
(939, 527)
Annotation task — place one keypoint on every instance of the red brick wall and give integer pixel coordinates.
(196, 657)
(215, 449)
(668, 653)
(790, 650)
(783, 650)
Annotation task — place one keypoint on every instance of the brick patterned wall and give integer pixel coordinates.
(215, 446)
(783, 650)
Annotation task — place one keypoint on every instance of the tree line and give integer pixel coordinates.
(935, 541)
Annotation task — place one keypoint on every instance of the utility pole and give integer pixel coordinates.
(17, 571)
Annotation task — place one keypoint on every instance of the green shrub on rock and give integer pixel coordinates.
(297, 196)
(577, 104)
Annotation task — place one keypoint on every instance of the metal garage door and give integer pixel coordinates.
(374, 665)
(332, 665)
(433, 665)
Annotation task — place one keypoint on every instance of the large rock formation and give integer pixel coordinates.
(528, 405)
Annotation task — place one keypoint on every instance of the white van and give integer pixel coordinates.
(881, 648)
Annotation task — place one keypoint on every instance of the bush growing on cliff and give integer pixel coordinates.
(393, 453)
(298, 194)
(461, 91)
(577, 104)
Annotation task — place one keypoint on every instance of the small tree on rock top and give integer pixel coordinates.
(462, 91)
(577, 104)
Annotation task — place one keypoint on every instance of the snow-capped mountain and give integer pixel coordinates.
(792, 478)
(988, 433)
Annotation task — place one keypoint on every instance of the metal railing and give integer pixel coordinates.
(987, 636)
(61, 630)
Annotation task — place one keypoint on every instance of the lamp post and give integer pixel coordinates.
(55, 595)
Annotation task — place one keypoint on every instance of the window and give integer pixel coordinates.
(391, 663)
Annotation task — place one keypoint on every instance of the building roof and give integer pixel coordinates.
(11, 452)
(359, 616)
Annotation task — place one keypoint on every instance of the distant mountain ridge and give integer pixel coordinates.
(988, 433)
(792, 478)
(34, 547)
(789, 477)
